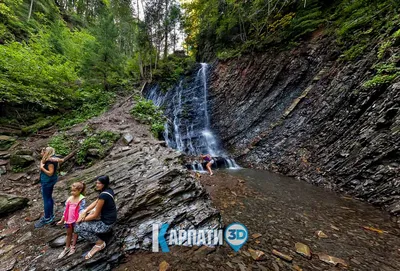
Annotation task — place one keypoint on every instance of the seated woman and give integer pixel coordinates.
(88, 224)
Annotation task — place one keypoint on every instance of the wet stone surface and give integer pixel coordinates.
(285, 212)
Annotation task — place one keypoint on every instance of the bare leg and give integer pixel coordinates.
(208, 166)
(74, 239)
(69, 236)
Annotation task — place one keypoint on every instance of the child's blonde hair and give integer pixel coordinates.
(48, 152)
(79, 186)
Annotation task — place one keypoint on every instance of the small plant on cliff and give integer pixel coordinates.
(385, 74)
(101, 142)
(62, 144)
(145, 111)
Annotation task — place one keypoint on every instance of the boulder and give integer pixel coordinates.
(24, 152)
(21, 160)
(147, 192)
(6, 142)
(93, 152)
(127, 139)
(11, 203)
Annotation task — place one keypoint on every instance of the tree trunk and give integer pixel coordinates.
(166, 30)
(140, 49)
(30, 10)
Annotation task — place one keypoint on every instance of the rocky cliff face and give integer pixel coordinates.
(150, 187)
(307, 113)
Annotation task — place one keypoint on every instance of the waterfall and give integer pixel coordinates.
(188, 127)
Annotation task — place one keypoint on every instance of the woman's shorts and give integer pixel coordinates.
(69, 225)
(212, 161)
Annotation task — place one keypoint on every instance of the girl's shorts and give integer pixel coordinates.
(69, 225)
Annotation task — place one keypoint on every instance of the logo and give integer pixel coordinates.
(236, 235)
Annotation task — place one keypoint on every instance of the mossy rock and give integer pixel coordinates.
(6, 142)
(44, 123)
(24, 152)
(21, 160)
(10, 203)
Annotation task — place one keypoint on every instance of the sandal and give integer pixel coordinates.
(63, 253)
(71, 250)
(90, 253)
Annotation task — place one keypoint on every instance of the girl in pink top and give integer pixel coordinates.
(73, 206)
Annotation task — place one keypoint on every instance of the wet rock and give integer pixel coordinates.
(11, 203)
(282, 256)
(242, 267)
(321, 234)
(331, 260)
(161, 143)
(6, 249)
(8, 232)
(16, 176)
(3, 170)
(7, 263)
(164, 266)
(21, 160)
(303, 250)
(25, 237)
(58, 242)
(275, 266)
(257, 255)
(6, 142)
(3, 162)
(4, 155)
(127, 139)
(126, 148)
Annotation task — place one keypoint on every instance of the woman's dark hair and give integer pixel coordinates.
(104, 180)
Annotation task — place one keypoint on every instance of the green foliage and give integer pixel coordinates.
(70, 61)
(354, 52)
(145, 111)
(93, 102)
(33, 74)
(17, 169)
(62, 144)
(43, 123)
(101, 142)
(385, 74)
(171, 69)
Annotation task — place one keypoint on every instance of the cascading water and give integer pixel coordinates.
(188, 126)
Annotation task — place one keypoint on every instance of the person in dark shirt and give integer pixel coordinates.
(99, 217)
(48, 178)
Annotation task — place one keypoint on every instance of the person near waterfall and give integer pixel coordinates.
(99, 217)
(209, 161)
(48, 178)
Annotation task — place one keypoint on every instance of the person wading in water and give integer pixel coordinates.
(209, 161)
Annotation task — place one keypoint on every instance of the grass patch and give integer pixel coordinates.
(145, 111)
(62, 144)
(102, 142)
